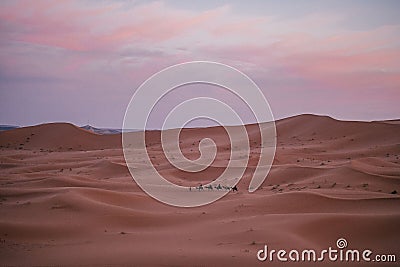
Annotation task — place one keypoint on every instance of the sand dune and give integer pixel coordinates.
(67, 198)
(57, 137)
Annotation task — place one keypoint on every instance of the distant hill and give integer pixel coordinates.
(7, 127)
(101, 130)
(86, 127)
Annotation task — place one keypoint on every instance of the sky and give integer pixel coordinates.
(81, 61)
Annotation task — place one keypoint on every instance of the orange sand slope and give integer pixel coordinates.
(67, 198)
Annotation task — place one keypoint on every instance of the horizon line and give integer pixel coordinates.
(198, 127)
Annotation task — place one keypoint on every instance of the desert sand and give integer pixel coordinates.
(67, 197)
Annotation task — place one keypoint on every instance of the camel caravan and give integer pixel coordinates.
(216, 187)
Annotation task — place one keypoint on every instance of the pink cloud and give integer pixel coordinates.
(67, 25)
(91, 43)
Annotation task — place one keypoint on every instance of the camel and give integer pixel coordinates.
(209, 187)
(218, 187)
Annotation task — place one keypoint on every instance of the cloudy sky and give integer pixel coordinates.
(81, 61)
